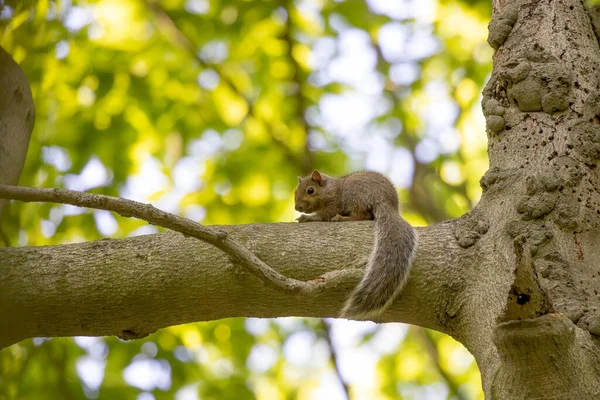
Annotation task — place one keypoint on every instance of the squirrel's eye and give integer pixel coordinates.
(310, 190)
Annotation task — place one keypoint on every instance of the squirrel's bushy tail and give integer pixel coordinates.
(388, 266)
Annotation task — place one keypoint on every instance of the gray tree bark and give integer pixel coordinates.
(516, 280)
(17, 116)
(542, 201)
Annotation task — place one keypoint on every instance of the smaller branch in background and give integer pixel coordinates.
(296, 78)
(431, 348)
(129, 208)
(60, 368)
(4, 238)
(299, 162)
(326, 326)
(423, 201)
(167, 25)
(165, 22)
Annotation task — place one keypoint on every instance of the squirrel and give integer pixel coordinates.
(364, 195)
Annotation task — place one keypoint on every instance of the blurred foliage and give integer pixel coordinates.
(209, 109)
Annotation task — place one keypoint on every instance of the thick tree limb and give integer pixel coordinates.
(131, 287)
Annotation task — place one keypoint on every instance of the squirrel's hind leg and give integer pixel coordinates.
(353, 217)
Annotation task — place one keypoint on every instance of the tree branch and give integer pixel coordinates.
(154, 216)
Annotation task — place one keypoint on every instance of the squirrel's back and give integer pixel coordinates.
(365, 190)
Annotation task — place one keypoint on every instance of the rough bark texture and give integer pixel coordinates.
(134, 286)
(542, 200)
(17, 116)
(516, 280)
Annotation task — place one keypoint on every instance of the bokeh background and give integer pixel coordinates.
(210, 109)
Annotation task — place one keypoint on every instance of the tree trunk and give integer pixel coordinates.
(516, 280)
(542, 202)
(17, 116)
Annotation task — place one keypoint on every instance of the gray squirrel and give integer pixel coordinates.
(364, 195)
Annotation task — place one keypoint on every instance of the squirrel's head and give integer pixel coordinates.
(308, 195)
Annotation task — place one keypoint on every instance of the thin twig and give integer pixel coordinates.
(129, 208)
(333, 356)
(431, 348)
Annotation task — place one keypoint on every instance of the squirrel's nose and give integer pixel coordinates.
(299, 208)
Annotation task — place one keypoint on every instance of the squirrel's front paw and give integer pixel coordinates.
(302, 218)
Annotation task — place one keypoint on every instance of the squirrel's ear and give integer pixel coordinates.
(317, 177)
(299, 179)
